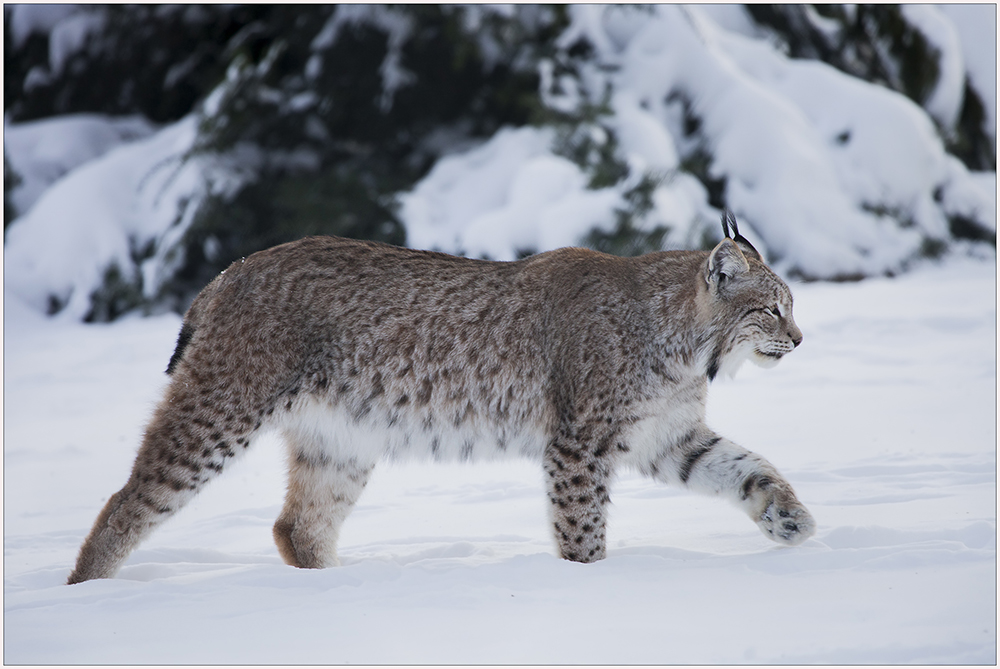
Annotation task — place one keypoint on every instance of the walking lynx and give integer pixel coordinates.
(356, 351)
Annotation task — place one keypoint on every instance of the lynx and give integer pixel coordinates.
(357, 351)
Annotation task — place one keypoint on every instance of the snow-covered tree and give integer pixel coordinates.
(843, 136)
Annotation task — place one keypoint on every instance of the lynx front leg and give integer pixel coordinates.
(321, 493)
(577, 477)
(706, 462)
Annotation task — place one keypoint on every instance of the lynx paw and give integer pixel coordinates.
(788, 524)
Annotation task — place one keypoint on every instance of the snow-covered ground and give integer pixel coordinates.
(884, 420)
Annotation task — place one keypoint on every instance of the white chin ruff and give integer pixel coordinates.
(732, 362)
(765, 361)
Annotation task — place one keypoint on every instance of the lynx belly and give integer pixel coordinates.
(330, 431)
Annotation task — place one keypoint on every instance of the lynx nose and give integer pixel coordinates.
(796, 341)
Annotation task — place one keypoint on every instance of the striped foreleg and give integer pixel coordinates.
(705, 462)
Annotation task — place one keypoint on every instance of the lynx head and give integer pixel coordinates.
(751, 306)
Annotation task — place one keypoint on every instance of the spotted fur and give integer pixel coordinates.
(356, 351)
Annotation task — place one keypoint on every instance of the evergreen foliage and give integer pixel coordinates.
(11, 180)
(154, 60)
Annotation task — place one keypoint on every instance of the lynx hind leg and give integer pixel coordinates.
(322, 491)
(577, 479)
(187, 443)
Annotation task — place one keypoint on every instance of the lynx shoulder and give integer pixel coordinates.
(358, 351)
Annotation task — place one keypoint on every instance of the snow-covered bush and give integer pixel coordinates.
(103, 238)
(911, 49)
(833, 176)
(843, 137)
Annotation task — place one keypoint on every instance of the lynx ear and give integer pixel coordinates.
(728, 219)
(725, 263)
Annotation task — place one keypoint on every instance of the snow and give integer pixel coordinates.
(508, 195)
(41, 152)
(647, 142)
(884, 420)
(100, 213)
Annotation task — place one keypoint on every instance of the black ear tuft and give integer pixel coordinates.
(729, 220)
(727, 216)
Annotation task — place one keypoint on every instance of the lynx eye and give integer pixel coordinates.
(774, 311)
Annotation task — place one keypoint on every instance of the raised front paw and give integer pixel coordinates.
(787, 523)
